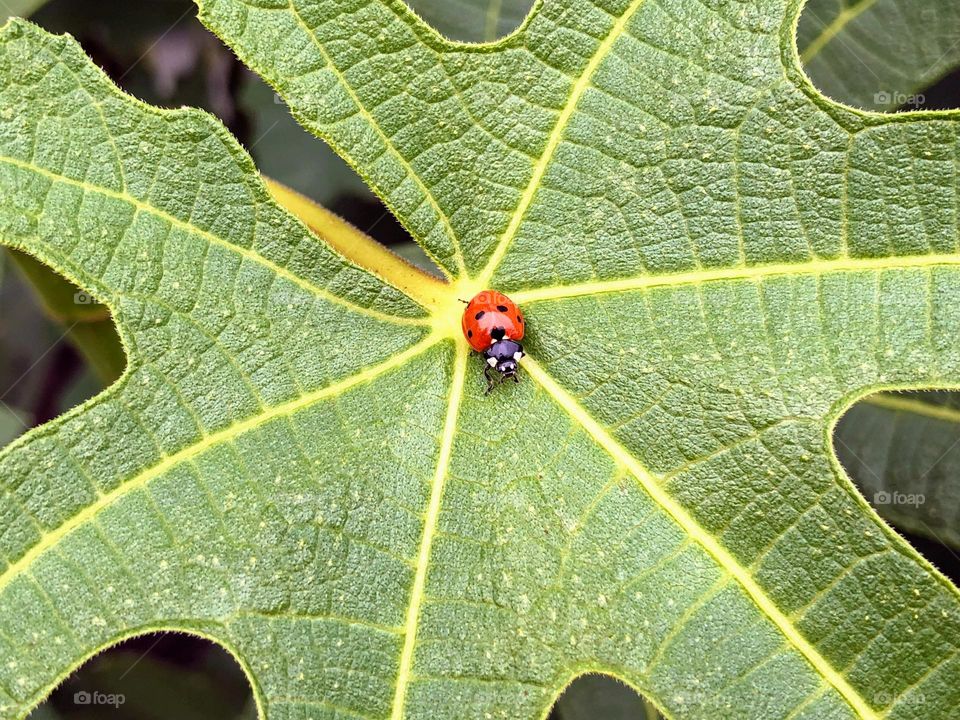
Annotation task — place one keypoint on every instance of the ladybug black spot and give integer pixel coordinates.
(520, 319)
(497, 333)
(479, 315)
(502, 308)
(469, 333)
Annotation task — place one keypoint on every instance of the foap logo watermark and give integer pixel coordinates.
(894, 98)
(898, 498)
(84, 697)
(83, 298)
(884, 699)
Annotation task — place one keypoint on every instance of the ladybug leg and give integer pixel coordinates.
(516, 379)
(490, 381)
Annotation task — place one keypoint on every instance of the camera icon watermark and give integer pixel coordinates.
(84, 697)
(894, 98)
(887, 698)
(883, 497)
(83, 298)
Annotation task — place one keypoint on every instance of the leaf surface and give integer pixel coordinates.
(300, 463)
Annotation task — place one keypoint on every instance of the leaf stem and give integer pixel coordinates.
(361, 249)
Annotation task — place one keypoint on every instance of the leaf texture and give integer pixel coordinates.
(300, 463)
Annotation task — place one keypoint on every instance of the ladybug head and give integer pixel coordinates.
(503, 356)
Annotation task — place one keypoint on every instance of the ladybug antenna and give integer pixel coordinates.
(465, 302)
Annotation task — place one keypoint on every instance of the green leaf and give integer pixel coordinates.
(284, 150)
(86, 322)
(144, 686)
(599, 696)
(300, 462)
(903, 451)
(13, 8)
(473, 20)
(878, 54)
(892, 449)
(12, 423)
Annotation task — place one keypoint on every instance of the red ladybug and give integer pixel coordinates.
(493, 325)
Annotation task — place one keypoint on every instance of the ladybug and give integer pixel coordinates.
(493, 325)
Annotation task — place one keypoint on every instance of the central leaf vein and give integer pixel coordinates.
(752, 272)
(553, 141)
(429, 531)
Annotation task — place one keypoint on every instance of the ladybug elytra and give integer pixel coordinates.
(493, 325)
